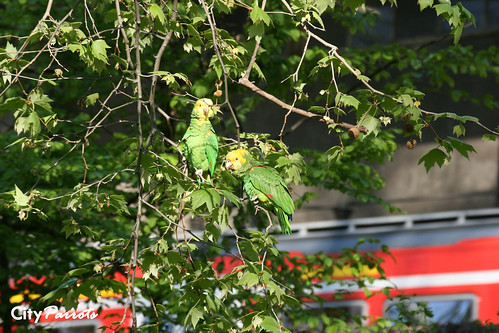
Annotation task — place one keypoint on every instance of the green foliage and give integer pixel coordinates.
(97, 97)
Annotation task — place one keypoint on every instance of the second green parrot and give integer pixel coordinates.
(200, 141)
(263, 184)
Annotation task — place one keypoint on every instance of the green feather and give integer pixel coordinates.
(200, 146)
(267, 185)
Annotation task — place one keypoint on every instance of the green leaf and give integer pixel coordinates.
(89, 232)
(459, 130)
(434, 156)
(454, 116)
(258, 14)
(119, 203)
(489, 137)
(21, 199)
(347, 100)
(317, 109)
(10, 50)
(249, 279)
(443, 9)
(234, 199)
(76, 272)
(12, 104)
(208, 197)
(372, 124)
(406, 100)
(322, 5)
(256, 31)
(425, 3)
(98, 49)
(248, 249)
(462, 147)
(40, 100)
(270, 324)
(193, 316)
(157, 13)
(30, 124)
(334, 153)
(353, 4)
(70, 228)
(91, 99)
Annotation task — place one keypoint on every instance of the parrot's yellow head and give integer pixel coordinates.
(204, 109)
(236, 158)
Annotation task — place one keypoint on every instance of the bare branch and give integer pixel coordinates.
(58, 26)
(216, 47)
(286, 117)
(123, 33)
(157, 64)
(255, 51)
(295, 74)
(213, 28)
(334, 52)
(134, 239)
(299, 111)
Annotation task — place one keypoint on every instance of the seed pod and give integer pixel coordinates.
(353, 132)
(409, 127)
(411, 144)
(218, 93)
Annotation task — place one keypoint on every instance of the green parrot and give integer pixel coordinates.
(263, 185)
(200, 142)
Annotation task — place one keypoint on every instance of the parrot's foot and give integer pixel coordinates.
(258, 207)
(199, 173)
(270, 222)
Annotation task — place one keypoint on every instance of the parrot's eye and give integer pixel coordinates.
(236, 159)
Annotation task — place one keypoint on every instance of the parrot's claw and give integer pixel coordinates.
(199, 173)
(270, 222)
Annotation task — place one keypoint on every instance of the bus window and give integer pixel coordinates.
(72, 326)
(336, 309)
(445, 309)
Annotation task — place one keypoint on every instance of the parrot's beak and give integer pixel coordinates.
(206, 111)
(228, 165)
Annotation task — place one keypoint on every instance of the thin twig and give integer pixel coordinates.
(213, 29)
(286, 117)
(123, 33)
(157, 63)
(255, 51)
(134, 239)
(295, 74)
(58, 26)
(216, 47)
(294, 109)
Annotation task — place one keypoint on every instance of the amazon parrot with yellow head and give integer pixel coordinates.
(200, 141)
(263, 185)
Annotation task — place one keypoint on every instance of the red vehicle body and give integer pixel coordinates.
(450, 260)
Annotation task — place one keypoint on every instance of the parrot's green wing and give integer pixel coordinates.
(200, 147)
(183, 141)
(211, 150)
(268, 182)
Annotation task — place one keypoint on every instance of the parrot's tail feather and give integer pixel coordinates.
(284, 219)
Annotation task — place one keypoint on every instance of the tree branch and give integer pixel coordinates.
(157, 61)
(134, 239)
(216, 47)
(308, 114)
(58, 26)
